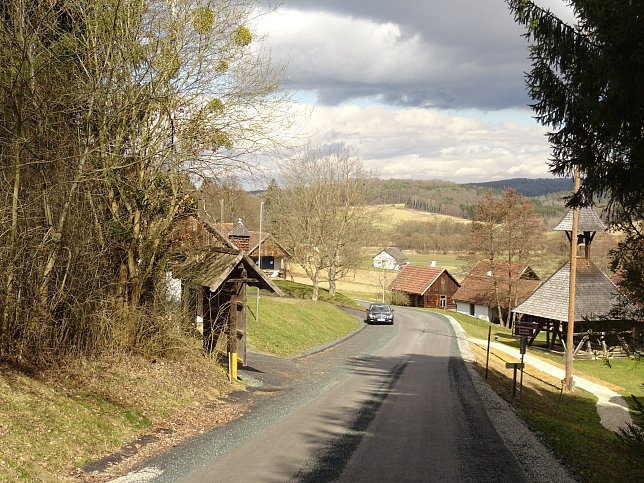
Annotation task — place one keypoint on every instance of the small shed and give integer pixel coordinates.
(218, 278)
(213, 274)
(432, 287)
(477, 295)
(390, 258)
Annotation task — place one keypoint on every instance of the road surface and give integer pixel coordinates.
(391, 403)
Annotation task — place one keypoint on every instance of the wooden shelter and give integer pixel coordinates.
(477, 295)
(214, 277)
(426, 286)
(595, 294)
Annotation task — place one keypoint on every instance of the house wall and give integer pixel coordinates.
(444, 285)
(273, 266)
(482, 312)
(384, 260)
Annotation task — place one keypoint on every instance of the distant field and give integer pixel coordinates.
(391, 215)
(453, 262)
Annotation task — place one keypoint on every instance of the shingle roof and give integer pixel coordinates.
(211, 267)
(416, 279)
(478, 286)
(588, 221)
(595, 294)
(254, 240)
(395, 253)
(502, 269)
(239, 230)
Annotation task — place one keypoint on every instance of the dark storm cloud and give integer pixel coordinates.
(442, 53)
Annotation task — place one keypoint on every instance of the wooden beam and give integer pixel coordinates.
(241, 280)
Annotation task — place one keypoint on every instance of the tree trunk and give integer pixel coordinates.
(332, 284)
(314, 279)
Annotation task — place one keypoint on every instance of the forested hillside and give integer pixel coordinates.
(531, 187)
(459, 200)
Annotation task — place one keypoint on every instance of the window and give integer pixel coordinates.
(472, 310)
(443, 302)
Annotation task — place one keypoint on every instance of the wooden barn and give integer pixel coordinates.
(432, 287)
(477, 295)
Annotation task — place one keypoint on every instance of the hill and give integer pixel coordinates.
(531, 187)
(460, 200)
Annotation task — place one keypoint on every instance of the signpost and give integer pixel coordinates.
(524, 330)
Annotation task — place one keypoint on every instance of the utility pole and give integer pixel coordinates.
(568, 381)
(259, 255)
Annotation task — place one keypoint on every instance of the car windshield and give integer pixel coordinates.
(379, 308)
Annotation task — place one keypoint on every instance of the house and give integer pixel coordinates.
(274, 256)
(210, 275)
(426, 286)
(477, 295)
(390, 258)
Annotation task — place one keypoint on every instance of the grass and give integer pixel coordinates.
(304, 291)
(392, 214)
(288, 327)
(569, 421)
(452, 262)
(62, 418)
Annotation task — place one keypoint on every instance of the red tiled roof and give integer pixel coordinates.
(478, 286)
(416, 279)
(501, 270)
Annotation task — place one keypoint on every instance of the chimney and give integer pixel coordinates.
(240, 236)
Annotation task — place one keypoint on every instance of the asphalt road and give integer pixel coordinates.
(390, 403)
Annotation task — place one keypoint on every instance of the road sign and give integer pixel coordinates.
(524, 329)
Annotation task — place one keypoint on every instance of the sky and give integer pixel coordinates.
(418, 89)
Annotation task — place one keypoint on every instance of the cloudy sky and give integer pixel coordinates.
(421, 89)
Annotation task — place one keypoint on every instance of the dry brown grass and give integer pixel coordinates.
(394, 214)
(360, 283)
(55, 421)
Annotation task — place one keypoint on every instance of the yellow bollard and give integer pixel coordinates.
(233, 364)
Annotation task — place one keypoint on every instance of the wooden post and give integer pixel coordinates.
(568, 381)
(232, 319)
(487, 359)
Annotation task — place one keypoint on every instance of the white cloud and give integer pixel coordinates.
(423, 89)
(346, 49)
(431, 144)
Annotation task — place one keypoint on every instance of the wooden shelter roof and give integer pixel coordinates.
(417, 279)
(211, 267)
(588, 221)
(595, 294)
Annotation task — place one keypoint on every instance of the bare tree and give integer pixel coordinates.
(109, 109)
(505, 231)
(320, 212)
